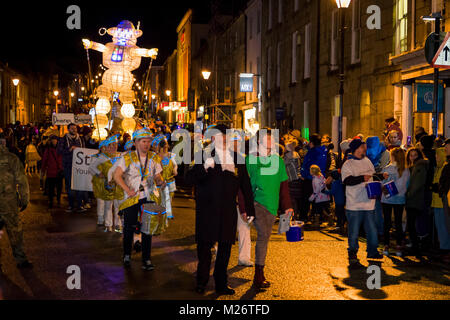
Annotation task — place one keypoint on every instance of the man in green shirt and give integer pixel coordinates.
(269, 182)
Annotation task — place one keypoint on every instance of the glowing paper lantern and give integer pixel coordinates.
(101, 121)
(118, 79)
(120, 56)
(103, 92)
(100, 134)
(127, 96)
(128, 125)
(102, 106)
(127, 110)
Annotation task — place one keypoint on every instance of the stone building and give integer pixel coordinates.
(385, 69)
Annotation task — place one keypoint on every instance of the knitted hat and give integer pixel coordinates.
(427, 142)
(345, 145)
(355, 144)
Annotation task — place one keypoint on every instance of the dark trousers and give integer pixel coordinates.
(204, 263)
(307, 190)
(130, 223)
(72, 194)
(398, 214)
(319, 208)
(53, 183)
(340, 215)
(411, 217)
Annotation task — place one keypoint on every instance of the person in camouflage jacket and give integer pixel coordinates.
(14, 196)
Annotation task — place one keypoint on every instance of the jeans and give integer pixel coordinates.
(355, 220)
(263, 223)
(441, 226)
(71, 194)
(398, 215)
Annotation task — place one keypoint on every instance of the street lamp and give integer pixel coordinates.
(16, 83)
(436, 17)
(206, 74)
(56, 92)
(342, 6)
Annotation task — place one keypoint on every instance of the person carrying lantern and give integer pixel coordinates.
(138, 174)
(107, 194)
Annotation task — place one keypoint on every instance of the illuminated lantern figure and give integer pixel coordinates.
(120, 57)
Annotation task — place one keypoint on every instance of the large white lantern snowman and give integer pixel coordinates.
(120, 57)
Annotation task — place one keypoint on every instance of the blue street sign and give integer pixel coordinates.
(425, 97)
(246, 84)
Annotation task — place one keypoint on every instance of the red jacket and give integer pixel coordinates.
(51, 162)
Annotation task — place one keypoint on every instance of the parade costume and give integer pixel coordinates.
(168, 165)
(138, 174)
(107, 194)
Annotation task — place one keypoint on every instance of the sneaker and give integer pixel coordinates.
(69, 210)
(81, 209)
(127, 261)
(386, 250)
(108, 229)
(87, 206)
(148, 266)
(377, 255)
(118, 229)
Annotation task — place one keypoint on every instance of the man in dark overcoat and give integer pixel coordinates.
(217, 181)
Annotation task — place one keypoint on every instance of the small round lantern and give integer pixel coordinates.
(127, 110)
(100, 134)
(102, 106)
(128, 125)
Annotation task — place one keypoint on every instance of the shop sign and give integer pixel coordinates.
(425, 97)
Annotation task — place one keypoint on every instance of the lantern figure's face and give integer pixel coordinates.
(125, 34)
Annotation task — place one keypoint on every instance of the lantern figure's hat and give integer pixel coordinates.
(127, 26)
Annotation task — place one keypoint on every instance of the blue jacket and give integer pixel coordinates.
(338, 192)
(317, 156)
(375, 150)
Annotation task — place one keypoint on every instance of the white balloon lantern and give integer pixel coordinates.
(102, 106)
(127, 110)
(100, 134)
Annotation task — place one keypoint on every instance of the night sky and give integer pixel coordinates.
(35, 35)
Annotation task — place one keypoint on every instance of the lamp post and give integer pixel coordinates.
(206, 74)
(168, 94)
(16, 83)
(436, 17)
(342, 5)
(56, 92)
(153, 101)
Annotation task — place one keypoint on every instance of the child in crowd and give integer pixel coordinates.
(338, 192)
(319, 199)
